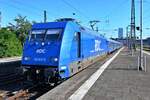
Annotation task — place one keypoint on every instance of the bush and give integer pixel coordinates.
(9, 44)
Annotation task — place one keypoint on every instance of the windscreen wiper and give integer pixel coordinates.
(45, 35)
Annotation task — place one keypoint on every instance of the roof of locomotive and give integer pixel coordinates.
(110, 40)
(62, 24)
(49, 25)
(88, 30)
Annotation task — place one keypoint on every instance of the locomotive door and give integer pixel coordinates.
(78, 44)
(79, 50)
(76, 66)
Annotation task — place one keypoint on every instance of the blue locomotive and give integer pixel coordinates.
(58, 50)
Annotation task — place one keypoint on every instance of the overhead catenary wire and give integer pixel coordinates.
(14, 5)
(18, 8)
(51, 13)
(77, 10)
(113, 11)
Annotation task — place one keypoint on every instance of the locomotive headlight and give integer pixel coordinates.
(43, 43)
(26, 58)
(55, 59)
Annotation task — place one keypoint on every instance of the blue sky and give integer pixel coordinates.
(116, 11)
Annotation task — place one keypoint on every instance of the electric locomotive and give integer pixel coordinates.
(58, 50)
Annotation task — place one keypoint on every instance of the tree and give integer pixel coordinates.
(21, 27)
(9, 44)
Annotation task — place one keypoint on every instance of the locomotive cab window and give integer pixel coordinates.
(37, 34)
(53, 34)
(47, 34)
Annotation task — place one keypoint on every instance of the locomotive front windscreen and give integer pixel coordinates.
(48, 34)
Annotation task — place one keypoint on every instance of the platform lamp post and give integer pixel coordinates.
(45, 16)
(141, 40)
(128, 36)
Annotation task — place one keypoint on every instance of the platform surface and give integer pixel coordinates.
(11, 59)
(120, 81)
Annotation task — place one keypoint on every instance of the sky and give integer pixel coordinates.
(112, 14)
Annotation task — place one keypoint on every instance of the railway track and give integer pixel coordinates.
(31, 92)
(24, 92)
(10, 78)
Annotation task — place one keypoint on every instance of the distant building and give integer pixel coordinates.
(120, 33)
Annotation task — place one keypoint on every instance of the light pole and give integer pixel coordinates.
(141, 40)
(45, 16)
(128, 36)
(132, 29)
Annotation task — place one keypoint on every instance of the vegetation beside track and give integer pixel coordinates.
(13, 36)
(9, 44)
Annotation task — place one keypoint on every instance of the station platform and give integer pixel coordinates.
(9, 65)
(115, 78)
(122, 81)
(11, 59)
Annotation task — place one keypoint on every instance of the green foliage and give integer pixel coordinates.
(21, 27)
(9, 44)
(13, 37)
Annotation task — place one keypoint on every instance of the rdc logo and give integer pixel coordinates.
(40, 51)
